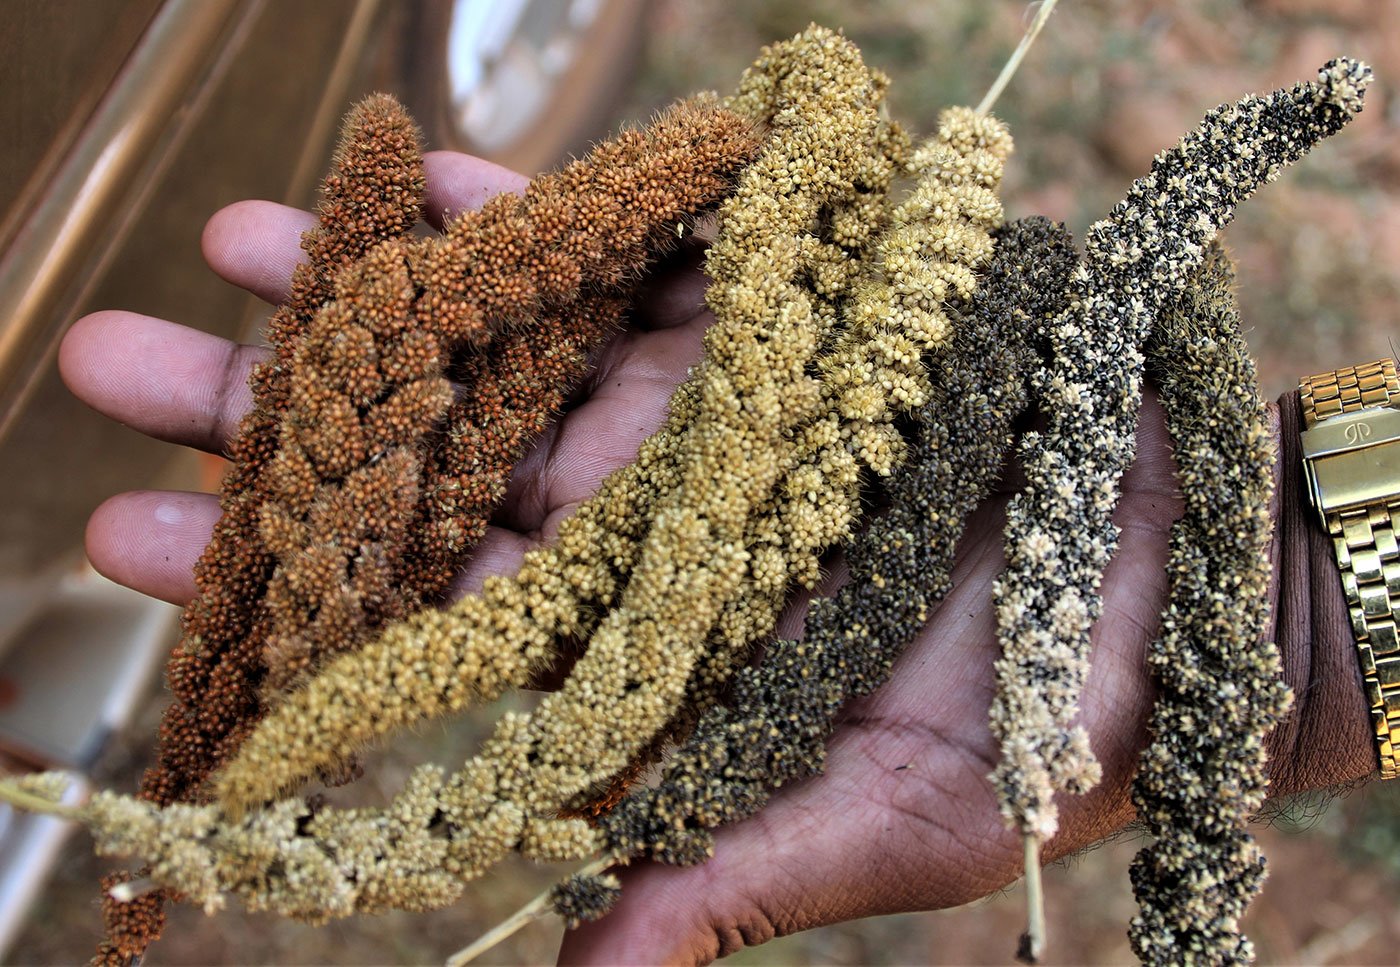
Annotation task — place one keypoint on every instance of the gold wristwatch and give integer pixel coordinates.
(1351, 456)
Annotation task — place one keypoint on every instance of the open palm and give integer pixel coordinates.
(904, 818)
(190, 388)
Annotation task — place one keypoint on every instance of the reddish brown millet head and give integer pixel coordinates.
(374, 191)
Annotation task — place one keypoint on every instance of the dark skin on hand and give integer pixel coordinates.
(904, 818)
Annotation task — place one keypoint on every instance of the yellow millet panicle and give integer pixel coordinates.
(755, 389)
(820, 140)
(938, 238)
(290, 859)
(875, 371)
(835, 262)
(1219, 687)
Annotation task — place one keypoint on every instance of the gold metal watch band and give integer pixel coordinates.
(1365, 539)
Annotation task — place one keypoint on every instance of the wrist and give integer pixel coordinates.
(1327, 739)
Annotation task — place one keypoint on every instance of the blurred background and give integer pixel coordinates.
(128, 123)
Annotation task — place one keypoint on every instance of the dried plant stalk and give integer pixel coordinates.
(1059, 531)
(1220, 686)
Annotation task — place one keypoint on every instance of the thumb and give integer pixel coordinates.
(822, 852)
(761, 883)
(679, 915)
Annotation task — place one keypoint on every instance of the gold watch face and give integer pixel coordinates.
(1353, 459)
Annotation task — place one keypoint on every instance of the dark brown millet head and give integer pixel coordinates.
(1219, 686)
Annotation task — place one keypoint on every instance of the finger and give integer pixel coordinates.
(149, 540)
(460, 182)
(167, 381)
(631, 390)
(1153, 470)
(674, 291)
(255, 245)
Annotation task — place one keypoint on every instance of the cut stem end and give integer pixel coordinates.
(536, 909)
(29, 802)
(1014, 61)
(1032, 946)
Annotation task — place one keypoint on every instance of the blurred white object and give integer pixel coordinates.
(524, 82)
(70, 677)
(506, 59)
(29, 845)
(73, 673)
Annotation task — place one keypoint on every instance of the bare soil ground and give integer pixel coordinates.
(1110, 83)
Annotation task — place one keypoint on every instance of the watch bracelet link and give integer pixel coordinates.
(1367, 545)
(1347, 390)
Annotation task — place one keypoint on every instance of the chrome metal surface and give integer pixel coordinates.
(1354, 478)
(506, 59)
(72, 224)
(1352, 459)
(1358, 430)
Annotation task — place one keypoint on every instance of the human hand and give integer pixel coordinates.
(190, 388)
(904, 818)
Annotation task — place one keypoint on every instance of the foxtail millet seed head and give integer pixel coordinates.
(1059, 532)
(774, 728)
(1220, 685)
